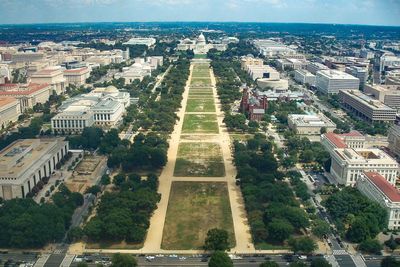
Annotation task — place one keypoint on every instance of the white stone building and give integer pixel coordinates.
(349, 163)
(53, 76)
(304, 77)
(331, 81)
(377, 188)
(310, 124)
(76, 76)
(9, 111)
(26, 162)
(28, 95)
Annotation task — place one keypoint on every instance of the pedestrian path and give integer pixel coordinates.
(340, 252)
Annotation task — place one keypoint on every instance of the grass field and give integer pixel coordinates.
(199, 160)
(200, 56)
(200, 123)
(200, 82)
(193, 209)
(200, 105)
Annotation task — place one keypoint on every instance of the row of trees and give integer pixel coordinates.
(26, 224)
(124, 215)
(273, 211)
(356, 217)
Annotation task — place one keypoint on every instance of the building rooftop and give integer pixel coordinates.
(364, 155)
(77, 71)
(336, 74)
(338, 139)
(310, 120)
(367, 100)
(384, 186)
(19, 156)
(18, 89)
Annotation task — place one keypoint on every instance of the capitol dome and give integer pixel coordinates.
(201, 39)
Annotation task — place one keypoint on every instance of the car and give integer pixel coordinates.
(173, 256)
(182, 258)
(160, 256)
(150, 257)
(267, 258)
(204, 259)
(302, 257)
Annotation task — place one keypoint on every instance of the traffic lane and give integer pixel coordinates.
(192, 261)
(345, 261)
(18, 257)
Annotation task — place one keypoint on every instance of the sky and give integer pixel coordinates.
(372, 12)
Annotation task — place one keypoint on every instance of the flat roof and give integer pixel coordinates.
(19, 156)
(336, 74)
(367, 100)
(386, 188)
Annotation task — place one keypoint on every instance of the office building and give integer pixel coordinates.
(304, 77)
(53, 76)
(271, 48)
(141, 41)
(358, 72)
(394, 139)
(353, 139)
(392, 77)
(28, 95)
(290, 64)
(76, 76)
(366, 107)
(25, 162)
(387, 94)
(310, 124)
(314, 67)
(10, 110)
(375, 187)
(331, 81)
(348, 164)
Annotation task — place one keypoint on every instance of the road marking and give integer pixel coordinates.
(67, 260)
(42, 260)
(340, 252)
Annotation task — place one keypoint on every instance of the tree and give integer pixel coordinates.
(82, 264)
(217, 239)
(74, 234)
(279, 230)
(220, 259)
(321, 228)
(123, 260)
(105, 179)
(391, 243)
(298, 264)
(269, 264)
(390, 262)
(320, 262)
(358, 231)
(95, 189)
(371, 246)
(322, 130)
(302, 244)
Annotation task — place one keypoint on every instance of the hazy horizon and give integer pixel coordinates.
(354, 12)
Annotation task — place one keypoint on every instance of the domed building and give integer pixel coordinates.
(199, 45)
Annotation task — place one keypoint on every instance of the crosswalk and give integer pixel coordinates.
(340, 252)
(42, 260)
(58, 251)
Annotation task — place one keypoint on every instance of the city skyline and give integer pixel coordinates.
(372, 12)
